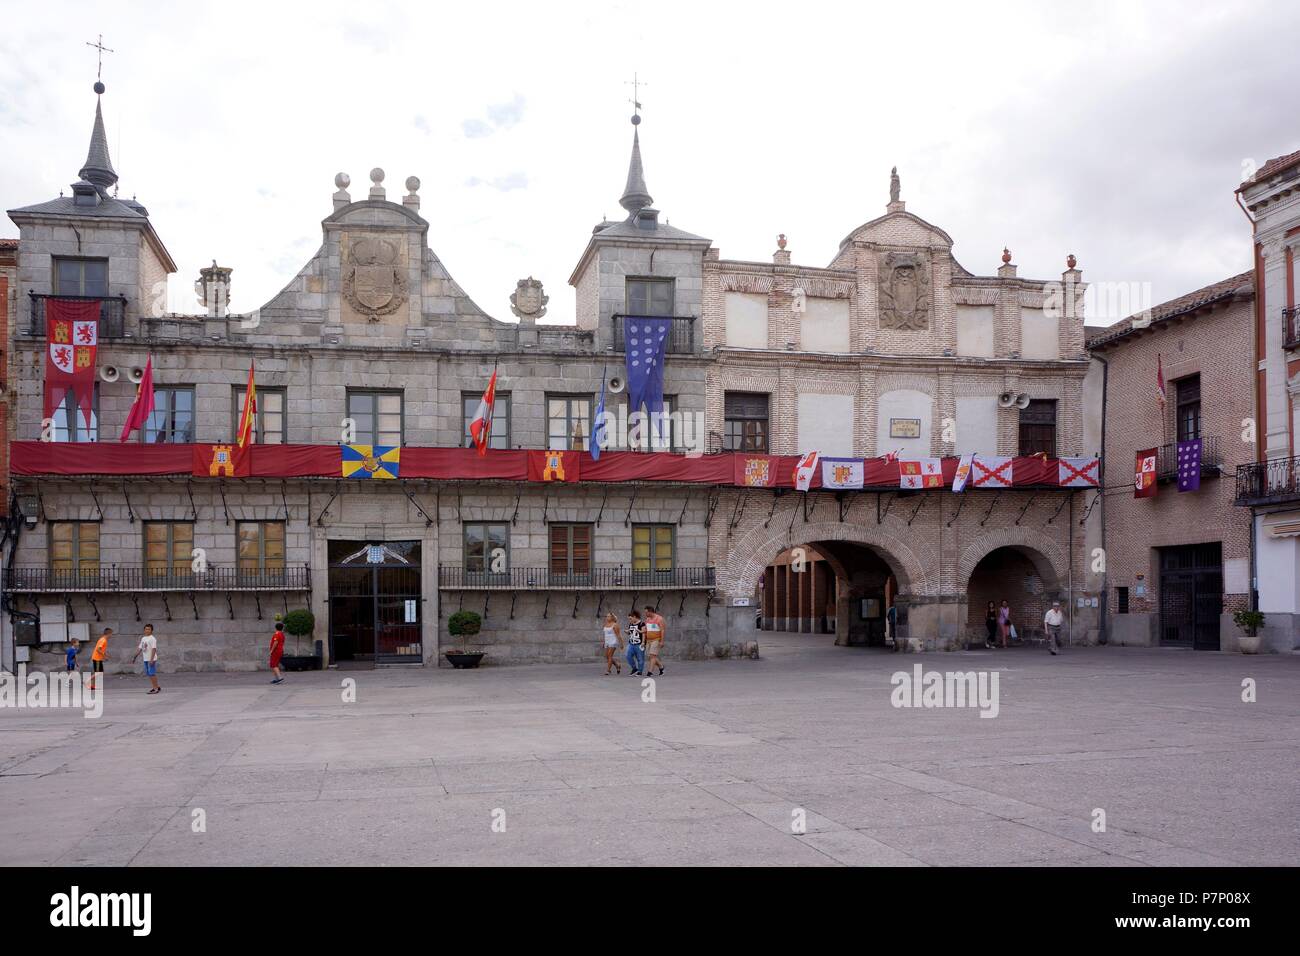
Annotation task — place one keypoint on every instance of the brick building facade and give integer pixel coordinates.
(1269, 486)
(892, 347)
(1177, 565)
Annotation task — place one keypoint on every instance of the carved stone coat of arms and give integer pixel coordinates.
(527, 301)
(374, 278)
(904, 291)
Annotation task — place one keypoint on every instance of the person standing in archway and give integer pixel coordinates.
(990, 625)
(1004, 623)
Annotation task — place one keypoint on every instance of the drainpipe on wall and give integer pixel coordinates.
(1103, 634)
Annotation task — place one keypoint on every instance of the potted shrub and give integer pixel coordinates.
(1250, 622)
(300, 624)
(464, 624)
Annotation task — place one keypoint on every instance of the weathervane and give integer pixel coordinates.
(99, 71)
(636, 99)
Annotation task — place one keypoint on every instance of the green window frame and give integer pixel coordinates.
(654, 547)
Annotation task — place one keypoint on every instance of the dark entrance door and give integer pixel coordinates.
(375, 602)
(1191, 595)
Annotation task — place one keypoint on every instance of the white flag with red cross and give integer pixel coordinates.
(991, 471)
(1078, 472)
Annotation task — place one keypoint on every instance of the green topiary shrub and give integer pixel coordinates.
(300, 623)
(464, 624)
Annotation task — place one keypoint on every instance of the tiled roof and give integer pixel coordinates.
(1224, 289)
(1274, 166)
(8, 243)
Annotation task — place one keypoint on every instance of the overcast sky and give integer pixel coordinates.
(1114, 130)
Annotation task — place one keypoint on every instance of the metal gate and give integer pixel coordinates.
(1191, 595)
(375, 612)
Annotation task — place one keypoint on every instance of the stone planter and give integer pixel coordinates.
(1249, 643)
(462, 661)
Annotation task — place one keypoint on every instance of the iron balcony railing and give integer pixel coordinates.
(597, 579)
(1268, 482)
(112, 313)
(1167, 459)
(1291, 328)
(681, 337)
(119, 577)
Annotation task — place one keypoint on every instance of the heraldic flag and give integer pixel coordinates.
(553, 465)
(962, 477)
(480, 426)
(920, 473)
(1144, 474)
(841, 473)
(804, 470)
(72, 337)
(645, 347)
(371, 461)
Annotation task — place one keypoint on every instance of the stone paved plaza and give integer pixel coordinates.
(710, 773)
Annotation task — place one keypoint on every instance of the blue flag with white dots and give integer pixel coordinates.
(646, 342)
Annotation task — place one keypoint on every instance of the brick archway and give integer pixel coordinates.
(753, 550)
(1047, 555)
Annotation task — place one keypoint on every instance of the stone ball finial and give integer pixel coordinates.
(780, 241)
(1070, 261)
(376, 175)
(342, 181)
(412, 184)
(100, 87)
(1006, 256)
(636, 119)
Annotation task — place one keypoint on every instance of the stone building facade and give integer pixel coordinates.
(1177, 565)
(8, 299)
(1270, 485)
(892, 347)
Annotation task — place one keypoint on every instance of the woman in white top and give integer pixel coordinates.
(613, 642)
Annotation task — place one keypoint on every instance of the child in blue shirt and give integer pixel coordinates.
(72, 654)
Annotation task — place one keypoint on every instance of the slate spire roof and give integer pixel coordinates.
(99, 168)
(635, 195)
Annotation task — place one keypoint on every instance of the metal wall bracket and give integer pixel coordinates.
(576, 598)
(94, 497)
(258, 598)
(428, 522)
(1065, 500)
(627, 519)
(546, 610)
(130, 512)
(284, 497)
(714, 497)
(917, 510)
(221, 486)
(136, 601)
(681, 608)
(881, 515)
(1092, 504)
(189, 490)
(600, 604)
(167, 605)
(1031, 500)
(487, 599)
(514, 595)
(686, 500)
(94, 606)
(603, 499)
(194, 604)
(519, 494)
(738, 511)
(992, 504)
(961, 503)
(67, 604)
(775, 498)
(230, 606)
(320, 519)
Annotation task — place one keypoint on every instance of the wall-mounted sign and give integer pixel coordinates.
(740, 602)
(905, 428)
(410, 611)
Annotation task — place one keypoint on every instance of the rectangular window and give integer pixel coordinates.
(1187, 407)
(652, 547)
(568, 422)
(1121, 600)
(261, 548)
(487, 547)
(746, 421)
(268, 422)
(500, 436)
(168, 547)
(81, 277)
(172, 421)
(1038, 427)
(378, 416)
(570, 549)
(70, 422)
(74, 546)
(667, 438)
(650, 297)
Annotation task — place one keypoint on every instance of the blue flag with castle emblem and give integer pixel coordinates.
(646, 341)
(1189, 465)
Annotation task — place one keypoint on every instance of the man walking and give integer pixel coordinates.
(654, 637)
(149, 648)
(98, 655)
(1052, 622)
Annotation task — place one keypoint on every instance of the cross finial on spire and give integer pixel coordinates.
(99, 69)
(636, 85)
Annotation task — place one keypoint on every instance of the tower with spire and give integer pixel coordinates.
(636, 249)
